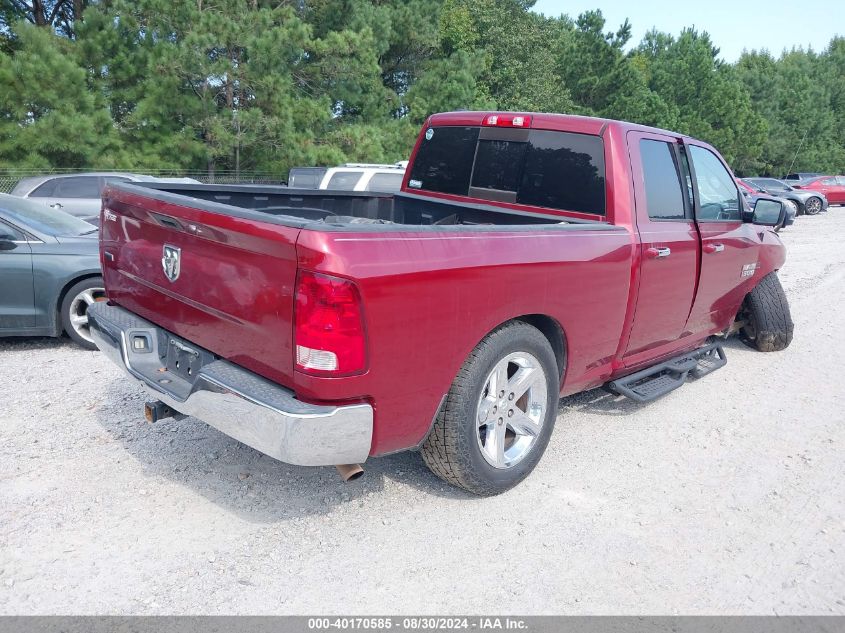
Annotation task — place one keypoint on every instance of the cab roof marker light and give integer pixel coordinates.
(507, 120)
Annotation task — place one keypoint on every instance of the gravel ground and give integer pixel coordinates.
(727, 496)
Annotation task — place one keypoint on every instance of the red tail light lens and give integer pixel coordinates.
(329, 326)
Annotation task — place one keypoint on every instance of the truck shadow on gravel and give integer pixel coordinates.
(240, 479)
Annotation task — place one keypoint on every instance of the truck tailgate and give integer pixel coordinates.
(230, 283)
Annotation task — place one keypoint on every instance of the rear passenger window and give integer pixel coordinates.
(664, 196)
(386, 183)
(78, 187)
(344, 180)
(564, 171)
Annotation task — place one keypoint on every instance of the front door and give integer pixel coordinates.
(729, 247)
(17, 295)
(669, 247)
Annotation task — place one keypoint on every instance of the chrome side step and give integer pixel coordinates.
(656, 381)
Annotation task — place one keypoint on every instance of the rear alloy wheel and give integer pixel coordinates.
(499, 414)
(511, 410)
(74, 310)
(813, 206)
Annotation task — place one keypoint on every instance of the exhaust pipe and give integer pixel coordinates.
(156, 410)
(349, 472)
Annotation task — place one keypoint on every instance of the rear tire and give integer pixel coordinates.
(813, 205)
(74, 308)
(768, 322)
(486, 408)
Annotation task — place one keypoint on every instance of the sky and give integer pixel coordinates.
(732, 24)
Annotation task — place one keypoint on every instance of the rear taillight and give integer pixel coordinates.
(329, 326)
(507, 120)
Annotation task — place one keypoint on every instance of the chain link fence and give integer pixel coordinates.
(10, 177)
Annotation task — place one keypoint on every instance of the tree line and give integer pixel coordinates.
(262, 85)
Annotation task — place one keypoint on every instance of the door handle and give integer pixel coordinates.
(657, 253)
(56, 205)
(714, 248)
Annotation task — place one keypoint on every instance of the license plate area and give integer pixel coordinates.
(182, 360)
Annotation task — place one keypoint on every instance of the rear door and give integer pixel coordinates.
(729, 247)
(669, 246)
(17, 298)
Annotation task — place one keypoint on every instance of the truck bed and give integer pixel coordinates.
(316, 209)
(242, 249)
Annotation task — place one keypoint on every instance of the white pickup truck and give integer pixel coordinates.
(350, 177)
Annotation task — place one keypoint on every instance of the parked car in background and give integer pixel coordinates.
(809, 202)
(78, 194)
(797, 177)
(365, 177)
(350, 177)
(49, 271)
(832, 187)
(752, 194)
(306, 177)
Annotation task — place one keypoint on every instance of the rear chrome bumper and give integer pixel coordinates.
(241, 404)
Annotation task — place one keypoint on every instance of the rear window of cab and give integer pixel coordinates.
(544, 168)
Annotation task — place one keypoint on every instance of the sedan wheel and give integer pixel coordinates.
(74, 310)
(79, 310)
(813, 206)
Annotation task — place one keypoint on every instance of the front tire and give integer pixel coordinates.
(767, 322)
(499, 413)
(74, 310)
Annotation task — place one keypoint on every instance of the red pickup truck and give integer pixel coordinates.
(527, 256)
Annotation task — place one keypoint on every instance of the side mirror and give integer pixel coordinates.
(769, 212)
(7, 242)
